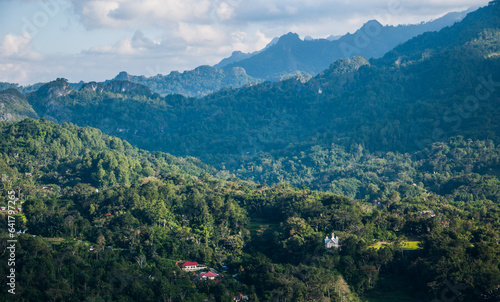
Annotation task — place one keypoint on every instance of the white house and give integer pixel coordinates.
(332, 243)
(240, 298)
(191, 266)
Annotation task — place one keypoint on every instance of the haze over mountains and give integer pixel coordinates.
(288, 56)
(282, 58)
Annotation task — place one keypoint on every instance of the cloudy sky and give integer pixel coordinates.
(41, 40)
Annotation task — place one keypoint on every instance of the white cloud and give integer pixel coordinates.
(225, 11)
(95, 14)
(201, 34)
(14, 73)
(19, 47)
(122, 47)
(249, 43)
(141, 42)
(137, 44)
(129, 14)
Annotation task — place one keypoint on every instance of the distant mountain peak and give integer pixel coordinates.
(372, 23)
(289, 37)
(122, 76)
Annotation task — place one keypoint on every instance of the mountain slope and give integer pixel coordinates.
(237, 56)
(14, 107)
(479, 30)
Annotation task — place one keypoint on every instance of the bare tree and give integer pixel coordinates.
(141, 260)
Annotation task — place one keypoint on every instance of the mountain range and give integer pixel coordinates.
(288, 56)
(414, 96)
(284, 57)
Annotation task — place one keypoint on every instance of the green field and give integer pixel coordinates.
(55, 240)
(407, 245)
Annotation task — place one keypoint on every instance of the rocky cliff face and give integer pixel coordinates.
(117, 87)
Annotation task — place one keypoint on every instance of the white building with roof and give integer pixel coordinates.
(332, 242)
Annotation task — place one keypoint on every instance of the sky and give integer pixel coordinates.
(93, 40)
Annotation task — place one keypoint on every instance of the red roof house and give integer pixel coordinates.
(209, 275)
(188, 266)
(187, 263)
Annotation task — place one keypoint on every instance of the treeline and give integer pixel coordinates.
(462, 170)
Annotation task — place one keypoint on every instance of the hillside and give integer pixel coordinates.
(14, 107)
(68, 155)
(482, 25)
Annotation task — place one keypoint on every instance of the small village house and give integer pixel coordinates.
(190, 266)
(209, 275)
(332, 242)
(240, 297)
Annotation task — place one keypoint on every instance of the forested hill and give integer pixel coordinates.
(478, 31)
(198, 82)
(404, 151)
(67, 155)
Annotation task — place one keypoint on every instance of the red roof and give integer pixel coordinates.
(209, 274)
(187, 263)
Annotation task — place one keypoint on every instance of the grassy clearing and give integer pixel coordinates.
(411, 245)
(407, 245)
(55, 240)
